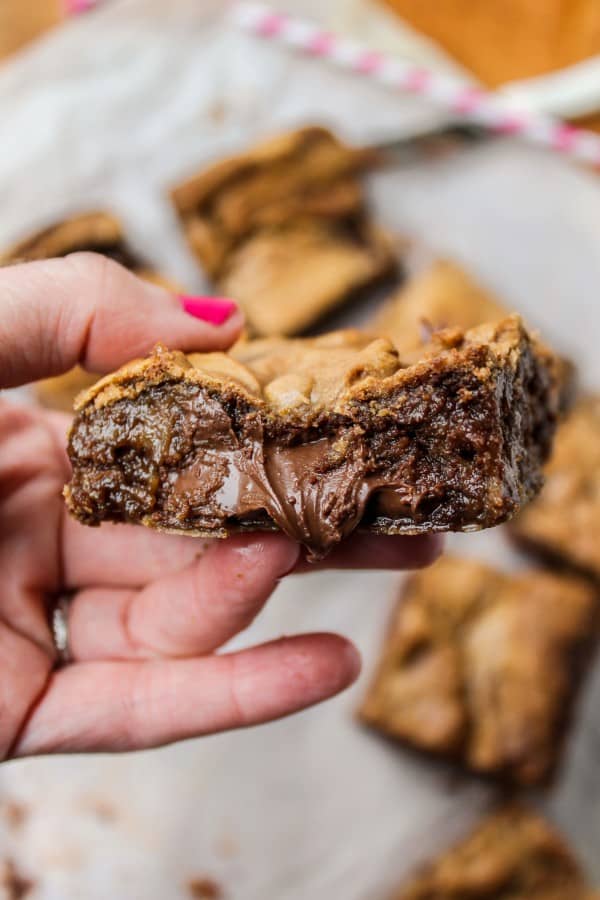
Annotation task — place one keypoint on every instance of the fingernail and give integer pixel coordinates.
(283, 552)
(215, 310)
(354, 661)
(291, 559)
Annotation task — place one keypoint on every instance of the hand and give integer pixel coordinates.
(149, 610)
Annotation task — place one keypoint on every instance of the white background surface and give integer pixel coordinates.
(109, 111)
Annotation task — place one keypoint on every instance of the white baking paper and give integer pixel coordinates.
(110, 111)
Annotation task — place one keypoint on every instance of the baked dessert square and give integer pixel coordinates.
(563, 525)
(446, 296)
(482, 667)
(96, 232)
(283, 229)
(508, 40)
(286, 278)
(513, 854)
(318, 437)
(292, 175)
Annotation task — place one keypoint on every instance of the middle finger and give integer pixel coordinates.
(185, 613)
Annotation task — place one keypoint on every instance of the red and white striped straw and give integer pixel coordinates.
(465, 100)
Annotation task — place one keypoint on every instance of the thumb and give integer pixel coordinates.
(87, 309)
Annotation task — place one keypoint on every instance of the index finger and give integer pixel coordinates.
(87, 309)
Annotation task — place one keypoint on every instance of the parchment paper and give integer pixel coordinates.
(109, 111)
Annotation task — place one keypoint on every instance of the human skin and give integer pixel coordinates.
(148, 611)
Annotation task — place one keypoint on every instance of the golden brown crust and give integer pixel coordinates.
(444, 296)
(287, 278)
(336, 368)
(590, 121)
(299, 174)
(564, 522)
(513, 854)
(481, 667)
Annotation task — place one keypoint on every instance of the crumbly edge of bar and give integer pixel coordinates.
(491, 349)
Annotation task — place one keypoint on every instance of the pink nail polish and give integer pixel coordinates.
(215, 310)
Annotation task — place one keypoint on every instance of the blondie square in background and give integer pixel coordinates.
(284, 230)
(482, 668)
(563, 525)
(513, 854)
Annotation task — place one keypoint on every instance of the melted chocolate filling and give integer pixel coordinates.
(178, 458)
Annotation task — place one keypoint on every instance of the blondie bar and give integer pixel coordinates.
(482, 668)
(317, 437)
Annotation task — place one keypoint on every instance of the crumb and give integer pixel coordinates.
(100, 807)
(204, 889)
(218, 112)
(63, 855)
(226, 846)
(104, 811)
(14, 814)
(16, 885)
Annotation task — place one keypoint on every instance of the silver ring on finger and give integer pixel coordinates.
(60, 630)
